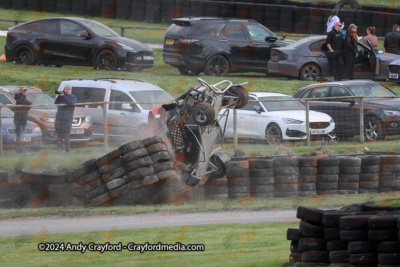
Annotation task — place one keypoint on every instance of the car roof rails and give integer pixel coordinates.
(104, 79)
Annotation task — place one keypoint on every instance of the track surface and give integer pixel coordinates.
(54, 224)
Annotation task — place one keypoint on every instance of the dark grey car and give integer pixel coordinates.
(307, 59)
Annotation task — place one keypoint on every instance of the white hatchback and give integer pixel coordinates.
(278, 120)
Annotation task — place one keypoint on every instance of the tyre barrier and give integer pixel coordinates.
(109, 9)
(123, 9)
(6, 4)
(327, 180)
(271, 17)
(307, 177)
(369, 174)
(35, 5)
(349, 175)
(153, 11)
(238, 176)
(345, 238)
(389, 175)
(138, 8)
(286, 172)
(93, 8)
(78, 7)
(262, 178)
(64, 6)
(197, 8)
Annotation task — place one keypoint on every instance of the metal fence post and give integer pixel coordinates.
(123, 31)
(1, 135)
(308, 122)
(105, 126)
(362, 120)
(235, 141)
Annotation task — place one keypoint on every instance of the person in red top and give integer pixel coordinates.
(371, 37)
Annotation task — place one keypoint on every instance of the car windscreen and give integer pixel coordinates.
(300, 43)
(99, 29)
(370, 89)
(152, 98)
(7, 113)
(40, 99)
(281, 105)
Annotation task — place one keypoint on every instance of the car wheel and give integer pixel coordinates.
(310, 72)
(24, 55)
(372, 129)
(217, 65)
(107, 60)
(188, 72)
(241, 94)
(203, 114)
(273, 134)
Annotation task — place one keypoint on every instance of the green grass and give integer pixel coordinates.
(261, 244)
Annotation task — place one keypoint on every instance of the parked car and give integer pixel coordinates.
(218, 46)
(82, 126)
(307, 59)
(393, 72)
(32, 137)
(381, 115)
(277, 121)
(75, 41)
(125, 120)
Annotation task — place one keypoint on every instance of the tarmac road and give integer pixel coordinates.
(31, 225)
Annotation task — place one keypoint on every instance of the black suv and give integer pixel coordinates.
(75, 41)
(219, 46)
(381, 115)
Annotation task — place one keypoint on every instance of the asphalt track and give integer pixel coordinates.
(31, 224)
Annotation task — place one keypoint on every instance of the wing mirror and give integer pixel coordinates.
(352, 101)
(126, 106)
(258, 109)
(271, 39)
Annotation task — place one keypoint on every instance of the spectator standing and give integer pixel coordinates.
(64, 116)
(334, 42)
(332, 20)
(21, 116)
(350, 50)
(392, 41)
(371, 37)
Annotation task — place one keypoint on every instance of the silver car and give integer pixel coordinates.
(307, 59)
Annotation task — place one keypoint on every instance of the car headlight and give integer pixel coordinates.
(88, 119)
(292, 121)
(48, 119)
(126, 47)
(392, 112)
(37, 130)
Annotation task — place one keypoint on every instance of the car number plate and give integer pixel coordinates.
(26, 139)
(169, 41)
(148, 58)
(77, 131)
(393, 76)
(317, 131)
(275, 57)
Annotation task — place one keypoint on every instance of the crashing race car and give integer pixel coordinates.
(189, 126)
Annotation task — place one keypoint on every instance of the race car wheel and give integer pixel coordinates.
(372, 129)
(273, 134)
(241, 94)
(188, 72)
(203, 114)
(24, 55)
(220, 160)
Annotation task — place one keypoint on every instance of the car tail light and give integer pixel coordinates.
(188, 41)
(278, 55)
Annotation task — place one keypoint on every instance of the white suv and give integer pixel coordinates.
(125, 120)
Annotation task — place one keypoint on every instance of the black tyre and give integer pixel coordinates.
(134, 155)
(23, 54)
(328, 162)
(288, 186)
(327, 178)
(382, 222)
(395, 184)
(216, 190)
(350, 186)
(114, 174)
(87, 178)
(84, 168)
(93, 184)
(306, 244)
(241, 94)
(119, 191)
(307, 179)
(308, 171)
(164, 166)
(97, 191)
(294, 234)
(388, 247)
(217, 65)
(369, 160)
(389, 258)
(107, 60)
(354, 222)
(327, 186)
(220, 160)
(238, 181)
(188, 72)
(354, 4)
(151, 140)
(107, 158)
(332, 233)
(309, 214)
(286, 162)
(307, 187)
(294, 247)
(311, 230)
(308, 162)
(349, 178)
(350, 161)
(260, 189)
(157, 147)
(262, 180)
(349, 170)
(273, 134)
(354, 235)
(295, 257)
(162, 156)
(341, 256)
(262, 172)
(315, 256)
(390, 159)
(361, 247)
(281, 171)
(372, 129)
(140, 173)
(336, 245)
(111, 185)
(136, 164)
(149, 180)
(131, 146)
(383, 235)
(363, 259)
(239, 189)
(103, 200)
(261, 163)
(238, 174)
(310, 72)
(389, 168)
(203, 114)
(369, 177)
(328, 170)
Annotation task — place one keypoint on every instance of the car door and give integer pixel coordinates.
(76, 44)
(122, 117)
(318, 92)
(260, 45)
(345, 112)
(367, 64)
(319, 53)
(233, 41)
(48, 41)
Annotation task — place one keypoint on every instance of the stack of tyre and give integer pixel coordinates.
(307, 176)
(286, 172)
(216, 188)
(389, 173)
(238, 175)
(369, 175)
(131, 167)
(349, 175)
(262, 177)
(328, 170)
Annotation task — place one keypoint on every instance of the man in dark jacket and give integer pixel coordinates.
(21, 115)
(334, 42)
(392, 41)
(64, 116)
